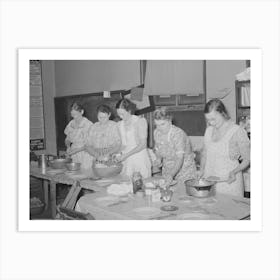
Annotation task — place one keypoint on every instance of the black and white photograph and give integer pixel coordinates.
(133, 140)
(147, 139)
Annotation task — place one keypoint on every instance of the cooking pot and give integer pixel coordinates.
(199, 187)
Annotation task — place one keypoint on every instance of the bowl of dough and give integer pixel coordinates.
(107, 169)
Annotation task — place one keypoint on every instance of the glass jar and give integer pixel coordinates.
(137, 182)
(166, 194)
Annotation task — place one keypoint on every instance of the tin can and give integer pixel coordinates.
(43, 163)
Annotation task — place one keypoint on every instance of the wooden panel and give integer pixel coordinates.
(186, 99)
(192, 122)
(164, 100)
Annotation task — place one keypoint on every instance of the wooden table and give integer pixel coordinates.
(220, 207)
(52, 177)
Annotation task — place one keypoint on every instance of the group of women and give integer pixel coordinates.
(225, 153)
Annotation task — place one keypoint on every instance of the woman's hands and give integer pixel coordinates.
(121, 157)
(72, 151)
(231, 177)
(168, 179)
(157, 162)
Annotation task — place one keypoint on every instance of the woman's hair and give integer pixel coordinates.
(77, 107)
(127, 105)
(162, 114)
(218, 106)
(103, 108)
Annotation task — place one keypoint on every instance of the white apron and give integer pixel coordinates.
(139, 162)
(218, 163)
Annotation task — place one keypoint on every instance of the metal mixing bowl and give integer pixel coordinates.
(73, 166)
(107, 172)
(199, 188)
(59, 163)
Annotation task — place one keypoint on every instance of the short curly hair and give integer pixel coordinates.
(77, 107)
(127, 105)
(217, 105)
(162, 113)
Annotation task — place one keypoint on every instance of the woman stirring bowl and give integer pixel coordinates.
(76, 136)
(173, 149)
(133, 131)
(224, 143)
(104, 139)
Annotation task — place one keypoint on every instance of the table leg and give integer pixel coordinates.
(46, 193)
(53, 198)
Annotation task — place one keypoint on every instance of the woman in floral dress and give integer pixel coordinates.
(104, 139)
(172, 148)
(76, 136)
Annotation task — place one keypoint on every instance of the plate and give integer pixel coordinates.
(147, 212)
(169, 208)
(198, 216)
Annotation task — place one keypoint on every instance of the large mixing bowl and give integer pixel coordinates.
(107, 171)
(199, 188)
(59, 163)
(73, 166)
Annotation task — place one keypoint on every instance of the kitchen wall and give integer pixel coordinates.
(49, 92)
(78, 77)
(66, 78)
(220, 75)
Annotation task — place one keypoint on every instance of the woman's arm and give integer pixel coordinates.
(243, 144)
(182, 147)
(92, 150)
(178, 165)
(67, 143)
(141, 146)
(202, 160)
(75, 151)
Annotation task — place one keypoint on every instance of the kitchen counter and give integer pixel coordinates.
(218, 207)
(132, 207)
(54, 176)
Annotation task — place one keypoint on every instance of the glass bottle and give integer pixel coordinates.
(137, 182)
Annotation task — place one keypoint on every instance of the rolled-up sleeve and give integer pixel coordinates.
(242, 143)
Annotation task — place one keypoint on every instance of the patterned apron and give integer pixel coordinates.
(167, 151)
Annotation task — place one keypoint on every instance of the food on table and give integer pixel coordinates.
(106, 161)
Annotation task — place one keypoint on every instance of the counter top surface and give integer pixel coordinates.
(131, 207)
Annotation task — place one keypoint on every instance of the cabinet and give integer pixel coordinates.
(242, 90)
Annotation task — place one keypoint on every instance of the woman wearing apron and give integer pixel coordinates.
(133, 131)
(104, 138)
(224, 144)
(173, 149)
(76, 136)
